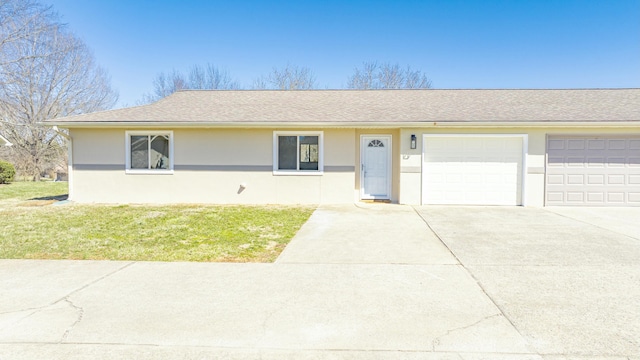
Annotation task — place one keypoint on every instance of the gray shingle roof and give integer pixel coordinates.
(376, 107)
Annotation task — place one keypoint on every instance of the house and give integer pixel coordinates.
(477, 147)
(4, 141)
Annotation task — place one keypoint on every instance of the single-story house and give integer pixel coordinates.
(4, 141)
(486, 147)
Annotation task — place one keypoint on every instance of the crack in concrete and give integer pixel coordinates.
(25, 309)
(35, 310)
(80, 311)
(65, 297)
(94, 282)
(436, 341)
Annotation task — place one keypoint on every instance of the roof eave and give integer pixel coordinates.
(342, 124)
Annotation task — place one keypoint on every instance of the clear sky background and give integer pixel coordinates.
(458, 44)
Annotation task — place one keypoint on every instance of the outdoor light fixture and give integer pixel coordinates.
(413, 141)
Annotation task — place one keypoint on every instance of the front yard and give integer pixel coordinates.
(34, 224)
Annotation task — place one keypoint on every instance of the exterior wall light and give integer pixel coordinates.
(413, 141)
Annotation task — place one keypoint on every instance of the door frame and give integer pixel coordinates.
(389, 139)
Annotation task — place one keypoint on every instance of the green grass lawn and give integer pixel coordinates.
(32, 226)
(32, 190)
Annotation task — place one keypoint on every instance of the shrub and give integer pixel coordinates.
(7, 172)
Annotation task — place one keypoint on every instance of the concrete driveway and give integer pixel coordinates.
(357, 282)
(568, 279)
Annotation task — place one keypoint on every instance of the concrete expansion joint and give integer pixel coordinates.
(80, 312)
(435, 233)
(436, 341)
(590, 224)
(470, 273)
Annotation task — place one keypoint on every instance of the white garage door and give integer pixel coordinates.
(472, 170)
(593, 170)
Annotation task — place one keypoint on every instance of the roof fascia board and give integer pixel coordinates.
(426, 124)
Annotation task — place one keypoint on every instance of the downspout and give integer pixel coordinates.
(69, 161)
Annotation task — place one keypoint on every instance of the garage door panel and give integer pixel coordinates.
(605, 172)
(482, 170)
(556, 179)
(616, 197)
(574, 179)
(595, 179)
(615, 179)
(575, 197)
(617, 145)
(596, 144)
(575, 144)
(557, 197)
(595, 197)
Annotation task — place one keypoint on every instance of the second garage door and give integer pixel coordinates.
(593, 170)
(472, 169)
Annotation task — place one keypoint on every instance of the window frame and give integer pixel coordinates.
(129, 134)
(298, 134)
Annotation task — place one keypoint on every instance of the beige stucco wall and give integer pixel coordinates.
(210, 165)
(534, 181)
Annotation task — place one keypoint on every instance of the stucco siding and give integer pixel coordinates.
(98, 147)
(235, 166)
(210, 165)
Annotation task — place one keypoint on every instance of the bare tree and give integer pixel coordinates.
(365, 77)
(199, 77)
(51, 73)
(291, 77)
(210, 77)
(19, 21)
(387, 76)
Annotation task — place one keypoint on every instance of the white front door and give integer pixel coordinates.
(375, 167)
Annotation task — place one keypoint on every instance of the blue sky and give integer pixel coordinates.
(458, 44)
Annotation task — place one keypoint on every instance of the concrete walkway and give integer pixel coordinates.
(366, 234)
(368, 282)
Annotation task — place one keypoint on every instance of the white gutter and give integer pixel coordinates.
(69, 161)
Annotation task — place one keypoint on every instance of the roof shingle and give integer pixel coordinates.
(376, 107)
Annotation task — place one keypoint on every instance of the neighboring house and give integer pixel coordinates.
(4, 141)
(487, 147)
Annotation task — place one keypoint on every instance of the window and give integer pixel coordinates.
(149, 152)
(297, 152)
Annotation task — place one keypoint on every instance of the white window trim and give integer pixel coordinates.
(129, 170)
(319, 134)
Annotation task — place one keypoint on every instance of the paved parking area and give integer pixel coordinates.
(358, 282)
